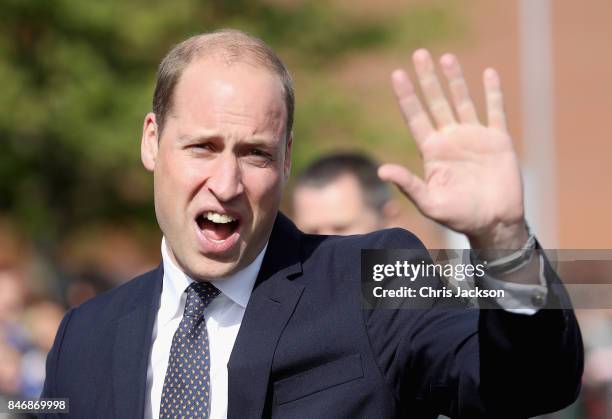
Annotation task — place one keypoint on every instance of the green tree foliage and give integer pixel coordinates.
(77, 79)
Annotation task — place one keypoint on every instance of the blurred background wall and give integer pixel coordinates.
(76, 213)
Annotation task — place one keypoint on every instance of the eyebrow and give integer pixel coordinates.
(200, 136)
(214, 134)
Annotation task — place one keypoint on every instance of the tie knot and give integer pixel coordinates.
(199, 295)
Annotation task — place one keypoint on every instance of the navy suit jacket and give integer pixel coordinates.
(307, 349)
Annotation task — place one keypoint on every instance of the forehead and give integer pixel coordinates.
(211, 87)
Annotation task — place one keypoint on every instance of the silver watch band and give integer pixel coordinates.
(509, 263)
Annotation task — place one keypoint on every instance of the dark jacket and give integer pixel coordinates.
(307, 348)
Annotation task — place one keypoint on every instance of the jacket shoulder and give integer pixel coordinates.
(391, 238)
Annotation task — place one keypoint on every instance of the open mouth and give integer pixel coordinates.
(217, 227)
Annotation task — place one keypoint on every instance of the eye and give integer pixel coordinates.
(201, 148)
(258, 157)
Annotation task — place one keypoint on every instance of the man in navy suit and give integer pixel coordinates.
(283, 332)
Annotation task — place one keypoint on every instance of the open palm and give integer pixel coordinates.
(472, 179)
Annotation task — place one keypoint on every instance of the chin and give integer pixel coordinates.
(210, 270)
(211, 274)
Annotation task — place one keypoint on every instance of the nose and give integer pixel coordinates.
(225, 182)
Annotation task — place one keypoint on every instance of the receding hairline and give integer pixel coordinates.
(228, 46)
(201, 65)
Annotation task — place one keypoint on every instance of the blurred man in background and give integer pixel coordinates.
(27, 329)
(342, 194)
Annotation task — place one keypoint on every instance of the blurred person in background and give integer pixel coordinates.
(27, 330)
(10, 373)
(13, 338)
(12, 302)
(28, 323)
(342, 194)
(10, 379)
(41, 320)
(89, 283)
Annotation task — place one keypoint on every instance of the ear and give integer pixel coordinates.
(149, 143)
(391, 211)
(287, 165)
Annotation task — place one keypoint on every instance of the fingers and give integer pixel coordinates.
(411, 185)
(432, 90)
(466, 112)
(495, 102)
(435, 99)
(416, 118)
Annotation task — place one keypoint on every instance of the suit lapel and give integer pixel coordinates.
(132, 348)
(271, 305)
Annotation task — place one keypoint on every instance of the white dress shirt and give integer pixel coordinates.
(223, 318)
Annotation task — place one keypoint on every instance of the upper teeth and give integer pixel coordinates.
(215, 217)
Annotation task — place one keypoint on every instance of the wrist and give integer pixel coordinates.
(502, 237)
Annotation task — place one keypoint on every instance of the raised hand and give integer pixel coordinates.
(472, 178)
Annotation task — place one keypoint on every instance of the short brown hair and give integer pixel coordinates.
(327, 169)
(234, 46)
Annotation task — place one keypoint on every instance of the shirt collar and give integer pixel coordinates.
(237, 287)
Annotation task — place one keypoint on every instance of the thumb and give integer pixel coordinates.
(411, 185)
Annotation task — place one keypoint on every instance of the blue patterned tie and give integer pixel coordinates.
(186, 391)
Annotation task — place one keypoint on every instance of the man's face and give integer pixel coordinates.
(338, 207)
(219, 166)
